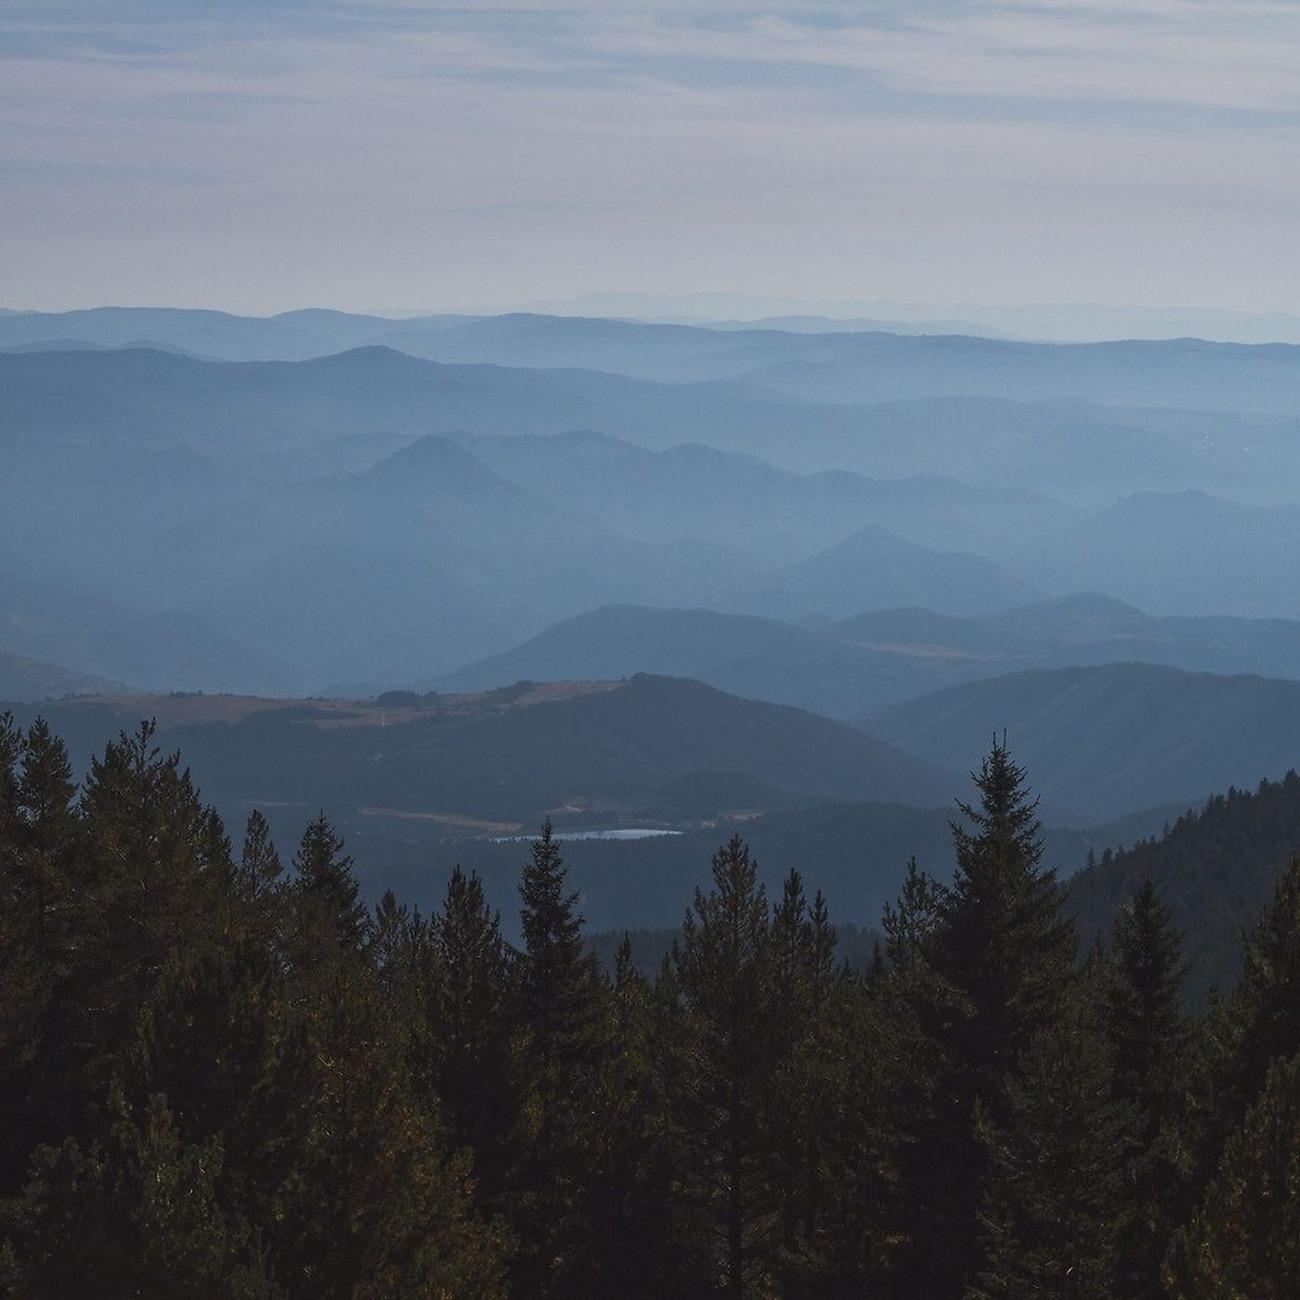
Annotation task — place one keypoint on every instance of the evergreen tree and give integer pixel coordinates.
(475, 1052)
(136, 1214)
(1260, 1023)
(327, 895)
(258, 879)
(1051, 1208)
(38, 832)
(1149, 1042)
(724, 978)
(1245, 1239)
(998, 964)
(48, 838)
(152, 864)
(561, 1006)
(635, 1168)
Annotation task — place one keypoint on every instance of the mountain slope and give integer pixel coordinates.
(1215, 868)
(599, 750)
(23, 679)
(1101, 742)
(170, 650)
(1086, 628)
(873, 569)
(1185, 553)
(746, 655)
(871, 660)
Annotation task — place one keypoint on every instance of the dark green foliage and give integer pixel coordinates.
(1051, 1211)
(1002, 944)
(1215, 868)
(183, 1102)
(729, 1051)
(986, 967)
(1244, 1241)
(131, 1216)
(250, 1088)
(562, 1016)
(475, 1043)
(1149, 1040)
(326, 894)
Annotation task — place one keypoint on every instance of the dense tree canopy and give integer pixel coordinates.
(217, 1069)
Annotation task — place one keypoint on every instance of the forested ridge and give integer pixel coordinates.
(222, 1075)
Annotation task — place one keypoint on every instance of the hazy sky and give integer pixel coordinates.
(262, 154)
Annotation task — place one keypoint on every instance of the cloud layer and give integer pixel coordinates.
(259, 154)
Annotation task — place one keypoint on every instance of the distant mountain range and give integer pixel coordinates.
(1058, 442)
(860, 664)
(1100, 742)
(375, 517)
(854, 365)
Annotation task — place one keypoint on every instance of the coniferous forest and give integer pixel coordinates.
(222, 1075)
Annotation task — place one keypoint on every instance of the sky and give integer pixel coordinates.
(402, 155)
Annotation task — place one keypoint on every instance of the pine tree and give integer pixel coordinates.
(635, 1168)
(129, 1216)
(1052, 1206)
(25, 981)
(724, 978)
(327, 895)
(258, 879)
(1149, 1042)
(557, 975)
(48, 839)
(1245, 1239)
(1002, 944)
(1261, 1021)
(475, 1050)
(993, 971)
(152, 863)
(828, 1132)
(561, 1005)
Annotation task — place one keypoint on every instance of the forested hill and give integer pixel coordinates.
(601, 750)
(1214, 869)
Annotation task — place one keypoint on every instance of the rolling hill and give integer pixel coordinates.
(755, 657)
(590, 754)
(414, 783)
(863, 663)
(1086, 628)
(1100, 742)
(87, 634)
(23, 680)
